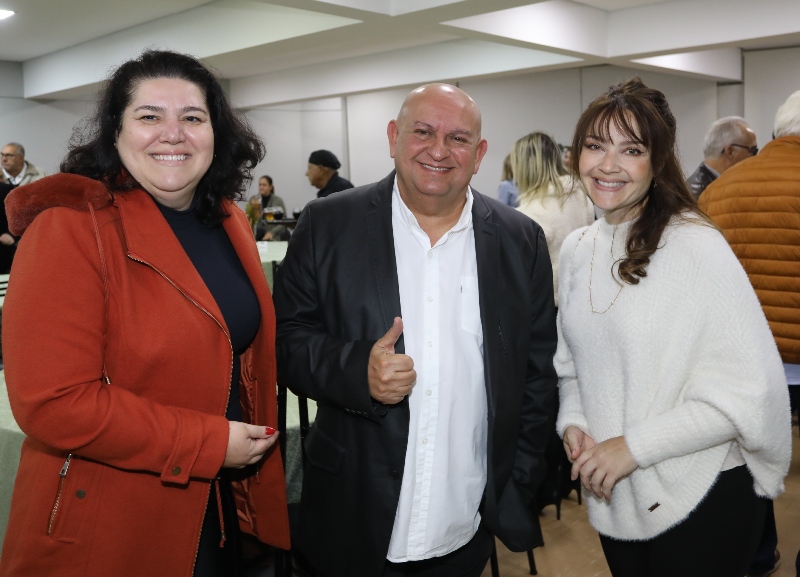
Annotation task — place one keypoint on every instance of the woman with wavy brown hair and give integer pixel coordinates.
(663, 354)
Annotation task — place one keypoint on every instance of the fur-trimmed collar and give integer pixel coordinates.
(25, 203)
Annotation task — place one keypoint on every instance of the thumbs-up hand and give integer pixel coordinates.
(390, 376)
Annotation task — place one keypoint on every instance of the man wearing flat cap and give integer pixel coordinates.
(322, 173)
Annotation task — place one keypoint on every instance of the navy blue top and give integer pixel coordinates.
(215, 259)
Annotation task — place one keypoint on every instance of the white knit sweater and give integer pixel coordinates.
(683, 365)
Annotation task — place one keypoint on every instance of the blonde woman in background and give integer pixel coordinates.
(547, 193)
(507, 191)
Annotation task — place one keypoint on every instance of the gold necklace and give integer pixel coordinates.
(591, 272)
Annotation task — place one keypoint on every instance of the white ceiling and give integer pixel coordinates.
(290, 50)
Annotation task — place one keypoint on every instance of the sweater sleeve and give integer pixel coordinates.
(734, 385)
(570, 406)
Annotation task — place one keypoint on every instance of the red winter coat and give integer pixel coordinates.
(144, 447)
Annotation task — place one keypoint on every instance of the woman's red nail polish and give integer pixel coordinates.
(270, 431)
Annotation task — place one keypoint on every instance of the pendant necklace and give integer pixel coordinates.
(591, 272)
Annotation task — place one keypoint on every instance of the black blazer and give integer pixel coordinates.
(336, 293)
(699, 180)
(6, 252)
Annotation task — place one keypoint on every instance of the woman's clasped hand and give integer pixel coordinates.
(599, 466)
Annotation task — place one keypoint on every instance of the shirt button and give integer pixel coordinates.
(80, 493)
(394, 474)
(430, 299)
(429, 392)
(176, 471)
(430, 344)
(425, 441)
(430, 254)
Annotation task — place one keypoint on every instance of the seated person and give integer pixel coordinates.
(266, 199)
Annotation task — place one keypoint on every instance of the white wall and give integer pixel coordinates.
(770, 77)
(692, 101)
(514, 106)
(43, 128)
(368, 116)
(11, 85)
(354, 127)
(290, 134)
(511, 107)
(730, 100)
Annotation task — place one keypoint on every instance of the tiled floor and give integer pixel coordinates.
(572, 548)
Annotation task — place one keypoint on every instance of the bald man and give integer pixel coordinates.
(419, 314)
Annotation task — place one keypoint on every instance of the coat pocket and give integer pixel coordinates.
(323, 452)
(76, 493)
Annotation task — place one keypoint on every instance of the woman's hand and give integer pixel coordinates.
(575, 442)
(247, 444)
(603, 465)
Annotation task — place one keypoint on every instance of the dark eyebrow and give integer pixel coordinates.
(154, 108)
(461, 131)
(457, 131)
(623, 143)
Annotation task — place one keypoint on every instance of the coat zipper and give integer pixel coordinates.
(63, 475)
(195, 303)
(230, 372)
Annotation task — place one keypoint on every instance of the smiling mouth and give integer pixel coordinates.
(168, 157)
(606, 184)
(436, 168)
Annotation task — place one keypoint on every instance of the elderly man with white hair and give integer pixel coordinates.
(729, 141)
(757, 206)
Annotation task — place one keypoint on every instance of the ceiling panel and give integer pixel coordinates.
(65, 48)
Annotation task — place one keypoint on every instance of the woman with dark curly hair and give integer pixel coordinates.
(139, 341)
(674, 405)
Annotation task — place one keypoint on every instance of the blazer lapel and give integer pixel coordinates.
(381, 247)
(488, 258)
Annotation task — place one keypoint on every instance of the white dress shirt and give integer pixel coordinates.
(445, 468)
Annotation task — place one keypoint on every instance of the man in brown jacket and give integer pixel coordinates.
(757, 205)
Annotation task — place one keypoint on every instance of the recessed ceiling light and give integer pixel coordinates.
(5, 14)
